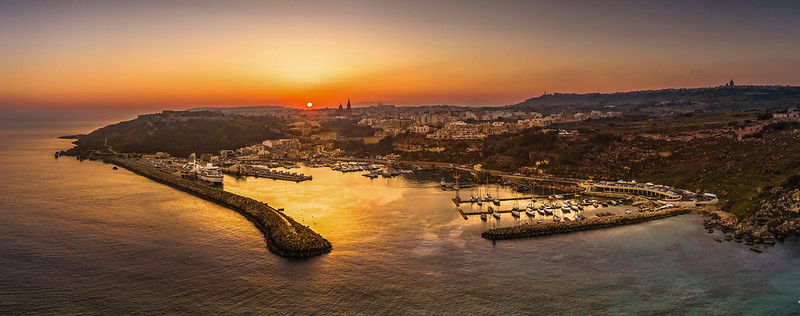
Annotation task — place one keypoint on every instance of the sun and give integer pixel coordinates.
(309, 104)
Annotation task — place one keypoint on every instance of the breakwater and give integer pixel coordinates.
(534, 230)
(284, 236)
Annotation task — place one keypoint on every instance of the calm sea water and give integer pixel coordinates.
(79, 237)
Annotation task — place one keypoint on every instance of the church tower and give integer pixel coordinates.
(348, 104)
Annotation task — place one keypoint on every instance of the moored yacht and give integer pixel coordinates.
(208, 172)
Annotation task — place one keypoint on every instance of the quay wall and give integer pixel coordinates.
(284, 236)
(534, 230)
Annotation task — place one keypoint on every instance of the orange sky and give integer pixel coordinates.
(198, 53)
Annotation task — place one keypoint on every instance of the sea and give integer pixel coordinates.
(77, 237)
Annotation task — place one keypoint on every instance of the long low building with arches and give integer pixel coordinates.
(657, 191)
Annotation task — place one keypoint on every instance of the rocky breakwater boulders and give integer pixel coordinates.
(534, 230)
(776, 215)
(284, 236)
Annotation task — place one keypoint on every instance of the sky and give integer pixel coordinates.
(180, 54)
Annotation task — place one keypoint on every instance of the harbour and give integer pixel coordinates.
(174, 252)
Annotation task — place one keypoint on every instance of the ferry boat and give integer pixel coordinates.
(206, 173)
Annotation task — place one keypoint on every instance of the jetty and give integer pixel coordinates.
(543, 229)
(465, 201)
(260, 172)
(284, 236)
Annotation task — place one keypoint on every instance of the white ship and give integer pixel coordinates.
(206, 173)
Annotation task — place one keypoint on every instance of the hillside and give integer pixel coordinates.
(182, 133)
(703, 99)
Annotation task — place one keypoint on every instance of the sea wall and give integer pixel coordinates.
(284, 236)
(534, 230)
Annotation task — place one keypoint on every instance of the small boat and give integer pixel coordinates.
(541, 211)
(371, 175)
(496, 214)
(483, 216)
(515, 213)
(115, 168)
(490, 209)
(530, 212)
(539, 221)
(496, 201)
(556, 219)
(604, 204)
(479, 202)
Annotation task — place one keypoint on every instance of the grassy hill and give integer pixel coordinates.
(182, 133)
(703, 99)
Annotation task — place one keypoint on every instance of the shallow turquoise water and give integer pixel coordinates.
(79, 237)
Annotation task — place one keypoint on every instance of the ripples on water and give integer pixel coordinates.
(79, 237)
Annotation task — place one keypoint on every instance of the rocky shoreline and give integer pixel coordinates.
(284, 236)
(535, 230)
(754, 230)
(775, 216)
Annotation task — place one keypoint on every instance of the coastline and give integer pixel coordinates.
(284, 236)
